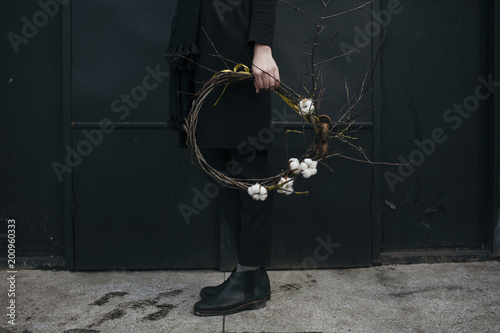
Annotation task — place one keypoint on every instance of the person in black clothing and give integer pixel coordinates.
(241, 31)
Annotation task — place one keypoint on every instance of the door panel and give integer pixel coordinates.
(127, 194)
(432, 57)
(30, 132)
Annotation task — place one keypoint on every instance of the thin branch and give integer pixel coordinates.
(341, 55)
(215, 49)
(328, 41)
(369, 162)
(348, 11)
(301, 11)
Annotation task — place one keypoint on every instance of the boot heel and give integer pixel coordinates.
(268, 296)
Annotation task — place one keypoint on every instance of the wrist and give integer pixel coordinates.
(262, 48)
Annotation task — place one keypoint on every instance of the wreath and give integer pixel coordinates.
(306, 107)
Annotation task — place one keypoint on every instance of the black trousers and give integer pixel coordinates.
(249, 220)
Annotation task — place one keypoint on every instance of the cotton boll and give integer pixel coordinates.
(308, 161)
(306, 106)
(286, 185)
(282, 189)
(314, 165)
(263, 197)
(255, 189)
(313, 171)
(306, 173)
(263, 191)
(293, 164)
(303, 166)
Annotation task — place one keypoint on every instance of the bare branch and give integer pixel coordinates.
(328, 41)
(340, 55)
(301, 11)
(348, 11)
(215, 49)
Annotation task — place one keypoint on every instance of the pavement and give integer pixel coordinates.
(446, 297)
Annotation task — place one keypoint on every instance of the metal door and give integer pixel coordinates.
(434, 102)
(140, 203)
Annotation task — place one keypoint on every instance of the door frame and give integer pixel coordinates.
(376, 143)
(69, 237)
(493, 136)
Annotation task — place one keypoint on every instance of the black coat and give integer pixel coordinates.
(233, 27)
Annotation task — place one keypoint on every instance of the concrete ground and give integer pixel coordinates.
(452, 297)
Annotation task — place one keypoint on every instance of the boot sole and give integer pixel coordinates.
(259, 304)
(267, 295)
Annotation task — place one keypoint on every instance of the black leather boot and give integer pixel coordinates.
(241, 291)
(210, 291)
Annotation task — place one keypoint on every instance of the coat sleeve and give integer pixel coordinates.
(262, 21)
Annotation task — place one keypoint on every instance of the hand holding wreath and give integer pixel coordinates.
(264, 68)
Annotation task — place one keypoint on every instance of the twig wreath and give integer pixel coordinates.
(307, 105)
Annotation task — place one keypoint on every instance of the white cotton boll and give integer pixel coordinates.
(306, 173)
(293, 163)
(303, 166)
(263, 191)
(306, 106)
(282, 189)
(255, 189)
(286, 186)
(263, 197)
(313, 171)
(308, 161)
(314, 165)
